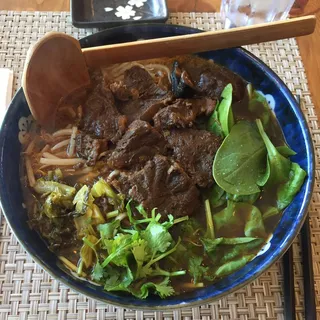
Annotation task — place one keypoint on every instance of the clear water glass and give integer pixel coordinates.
(238, 13)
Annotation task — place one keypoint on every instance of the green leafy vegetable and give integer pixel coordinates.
(97, 217)
(227, 253)
(263, 179)
(251, 198)
(102, 188)
(195, 268)
(279, 165)
(108, 230)
(216, 196)
(83, 200)
(214, 125)
(97, 273)
(286, 151)
(222, 119)
(259, 106)
(240, 160)
(239, 219)
(56, 205)
(289, 189)
(254, 226)
(42, 187)
(232, 266)
(118, 279)
(142, 211)
(210, 227)
(225, 114)
(163, 289)
(270, 212)
(87, 251)
(158, 237)
(118, 249)
(141, 254)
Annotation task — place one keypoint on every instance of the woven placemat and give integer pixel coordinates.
(28, 292)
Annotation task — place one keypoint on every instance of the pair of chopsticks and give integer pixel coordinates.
(308, 279)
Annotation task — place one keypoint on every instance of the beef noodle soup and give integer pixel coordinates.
(163, 177)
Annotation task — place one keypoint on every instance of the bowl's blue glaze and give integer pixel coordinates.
(250, 68)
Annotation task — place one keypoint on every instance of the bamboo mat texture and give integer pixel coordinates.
(27, 292)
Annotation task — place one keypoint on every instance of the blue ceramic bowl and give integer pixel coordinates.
(238, 60)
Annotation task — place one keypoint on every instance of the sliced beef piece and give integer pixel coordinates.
(122, 92)
(101, 118)
(139, 79)
(183, 113)
(161, 184)
(89, 148)
(139, 144)
(139, 97)
(210, 79)
(194, 150)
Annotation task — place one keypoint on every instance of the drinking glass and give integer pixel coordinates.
(237, 13)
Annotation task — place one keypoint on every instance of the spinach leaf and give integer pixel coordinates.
(286, 151)
(227, 253)
(263, 179)
(221, 120)
(225, 114)
(258, 105)
(216, 196)
(270, 212)
(288, 190)
(279, 165)
(226, 222)
(232, 266)
(251, 198)
(214, 125)
(240, 160)
(239, 219)
(254, 226)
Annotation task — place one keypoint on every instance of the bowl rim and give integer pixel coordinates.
(288, 240)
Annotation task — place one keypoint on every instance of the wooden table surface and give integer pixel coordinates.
(309, 45)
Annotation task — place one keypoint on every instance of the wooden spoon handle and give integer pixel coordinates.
(200, 42)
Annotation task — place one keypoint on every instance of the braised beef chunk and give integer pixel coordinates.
(89, 148)
(194, 150)
(147, 98)
(139, 144)
(181, 83)
(161, 184)
(183, 113)
(205, 79)
(101, 118)
(139, 79)
(122, 93)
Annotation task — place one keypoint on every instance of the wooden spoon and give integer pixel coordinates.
(56, 66)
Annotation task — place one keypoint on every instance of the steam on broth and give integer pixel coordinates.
(163, 177)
